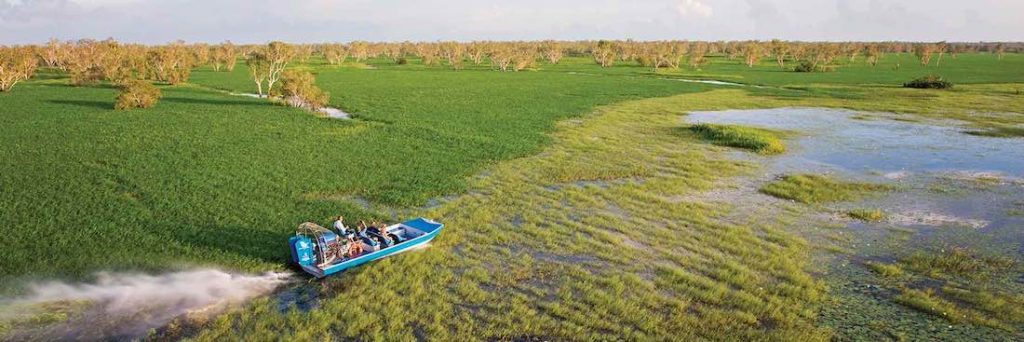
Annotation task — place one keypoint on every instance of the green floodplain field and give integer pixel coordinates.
(570, 195)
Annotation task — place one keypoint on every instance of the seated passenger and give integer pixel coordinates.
(355, 248)
(339, 226)
(364, 234)
(382, 230)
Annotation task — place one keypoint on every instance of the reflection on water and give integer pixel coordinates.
(952, 190)
(835, 139)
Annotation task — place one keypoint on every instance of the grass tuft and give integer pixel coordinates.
(885, 270)
(956, 262)
(755, 139)
(867, 215)
(926, 301)
(811, 189)
(999, 132)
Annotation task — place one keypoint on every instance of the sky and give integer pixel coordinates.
(308, 21)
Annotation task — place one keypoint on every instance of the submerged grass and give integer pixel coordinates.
(926, 301)
(958, 285)
(867, 215)
(885, 270)
(957, 263)
(814, 189)
(756, 139)
(541, 248)
(594, 238)
(1000, 132)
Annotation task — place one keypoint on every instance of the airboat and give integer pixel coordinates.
(322, 252)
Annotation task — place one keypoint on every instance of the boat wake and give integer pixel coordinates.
(127, 306)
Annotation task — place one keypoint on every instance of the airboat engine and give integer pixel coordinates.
(314, 245)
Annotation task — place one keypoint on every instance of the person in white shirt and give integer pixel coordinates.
(339, 226)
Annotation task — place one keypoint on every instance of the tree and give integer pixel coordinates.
(123, 63)
(552, 51)
(871, 53)
(171, 63)
(524, 57)
(1000, 51)
(697, 55)
(475, 51)
(359, 50)
(392, 51)
(278, 55)
(200, 54)
(299, 89)
(661, 55)
(779, 49)
(604, 53)
(428, 53)
(83, 62)
(851, 50)
(751, 53)
(267, 63)
(303, 52)
(924, 52)
(452, 52)
(259, 68)
(54, 53)
(941, 48)
(819, 57)
(334, 53)
(501, 57)
(16, 64)
(223, 56)
(136, 94)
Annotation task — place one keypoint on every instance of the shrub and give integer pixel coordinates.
(299, 90)
(808, 66)
(136, 94)
(929, 82)
(403, 61)
(804, 66)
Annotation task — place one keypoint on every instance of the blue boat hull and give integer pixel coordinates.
(430, 228)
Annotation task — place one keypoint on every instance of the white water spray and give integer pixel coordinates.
(128, 305)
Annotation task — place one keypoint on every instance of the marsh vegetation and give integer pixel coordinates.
(579, 204)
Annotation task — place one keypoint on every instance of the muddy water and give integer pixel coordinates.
(952, 190)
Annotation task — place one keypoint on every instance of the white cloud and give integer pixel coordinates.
(695, 7)
(252, 21)
(98, 3)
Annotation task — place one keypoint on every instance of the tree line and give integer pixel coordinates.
(137, 66)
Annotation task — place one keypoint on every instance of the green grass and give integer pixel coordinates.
(814, 189)
(957, 263)
(569, 218)
(965, 69)
(867, 215)
(755, 139)
(1000, 132)
(927, 301)
(205, 177)
(885, 270)
(533, 251)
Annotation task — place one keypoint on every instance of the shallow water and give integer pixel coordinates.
(333, 113)
(834, 139)
(710, 82)
(952, 190)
